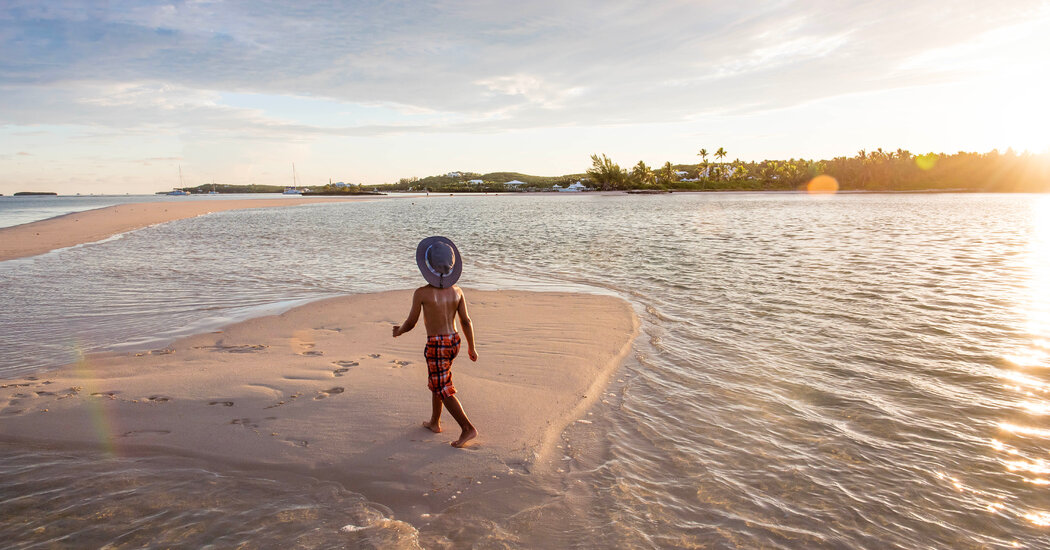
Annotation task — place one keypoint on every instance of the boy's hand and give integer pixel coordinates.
(473, 354)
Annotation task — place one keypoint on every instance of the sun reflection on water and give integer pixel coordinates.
(1023, 371)
(1042, 519)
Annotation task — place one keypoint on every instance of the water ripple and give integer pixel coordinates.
(864, 371)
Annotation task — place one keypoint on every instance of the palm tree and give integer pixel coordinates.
(721, 154)
(703, 154)
(668, 173)
(642, 173)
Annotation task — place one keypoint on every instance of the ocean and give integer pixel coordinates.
(835, 371)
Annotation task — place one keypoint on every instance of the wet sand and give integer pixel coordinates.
(89, 226)
(324, 390)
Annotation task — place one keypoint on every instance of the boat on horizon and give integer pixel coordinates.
(294, 189)
(178, 192)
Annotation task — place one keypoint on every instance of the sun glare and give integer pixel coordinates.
(1015, 93)
(822, 185)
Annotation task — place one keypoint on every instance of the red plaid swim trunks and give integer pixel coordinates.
(440, 352)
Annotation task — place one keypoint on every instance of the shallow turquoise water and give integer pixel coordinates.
(864, 371)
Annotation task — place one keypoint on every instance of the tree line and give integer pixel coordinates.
(876, 170)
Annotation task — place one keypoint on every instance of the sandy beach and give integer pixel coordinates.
(89, 226)
(324, 390)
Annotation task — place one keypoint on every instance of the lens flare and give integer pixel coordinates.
(100, 420)
(822, 185)
(926, 162)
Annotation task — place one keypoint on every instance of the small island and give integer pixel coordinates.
(33, 193)
(223, 188)
(338, 191)
(878, 171)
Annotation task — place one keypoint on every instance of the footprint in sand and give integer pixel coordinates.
(135, 433)
(312, 353)
(158, 399)
(329, 392)
(344, 366)
(400, 363)
(108, 394)
(374, 355)
(246, 348)
(246, 422)
(223, 403)
(165, 351)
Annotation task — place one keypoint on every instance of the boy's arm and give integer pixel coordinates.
(468, 328)
(413, 314)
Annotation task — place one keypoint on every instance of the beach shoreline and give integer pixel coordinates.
(88, 226)
(323, 390)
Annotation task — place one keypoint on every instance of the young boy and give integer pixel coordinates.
(440, 301)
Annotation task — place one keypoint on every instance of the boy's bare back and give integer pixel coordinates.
(439, 307)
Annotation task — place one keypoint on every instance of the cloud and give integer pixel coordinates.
(459, 66)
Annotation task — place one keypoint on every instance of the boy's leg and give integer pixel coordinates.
(469, 432)
(434, 424)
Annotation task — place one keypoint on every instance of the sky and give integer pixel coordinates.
(119, 96)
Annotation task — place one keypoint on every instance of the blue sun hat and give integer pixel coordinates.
(439, 261)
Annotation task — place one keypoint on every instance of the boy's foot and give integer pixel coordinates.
(464, 438)
(432, 426)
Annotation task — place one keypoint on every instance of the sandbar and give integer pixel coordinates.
(324, 390)
(89, 226)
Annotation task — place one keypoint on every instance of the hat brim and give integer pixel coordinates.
(432, 278)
